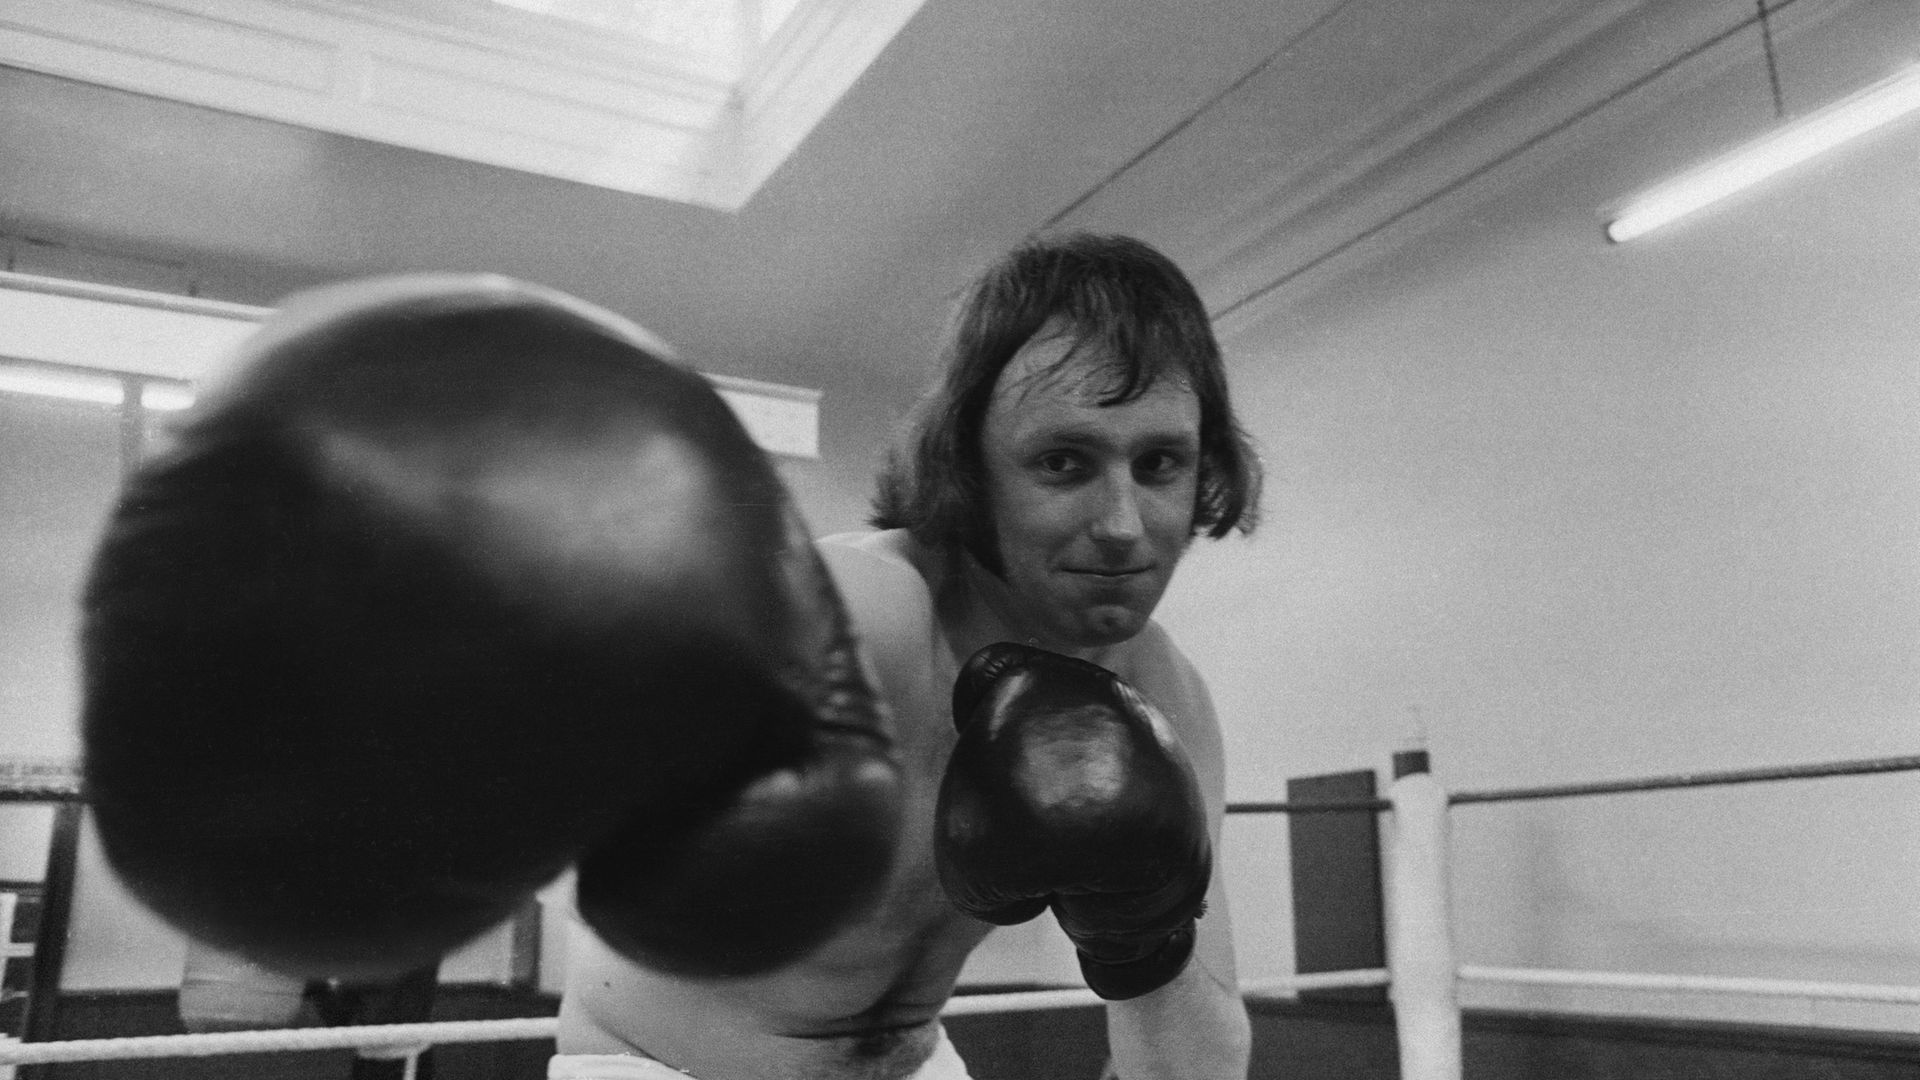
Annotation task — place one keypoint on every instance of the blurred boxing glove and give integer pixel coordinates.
(1068, 790)
(457, 584)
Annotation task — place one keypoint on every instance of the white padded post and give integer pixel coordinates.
(1420, 954)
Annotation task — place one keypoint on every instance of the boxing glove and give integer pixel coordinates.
(1068, 790)
(454, 585)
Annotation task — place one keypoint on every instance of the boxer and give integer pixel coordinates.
(1078, 440)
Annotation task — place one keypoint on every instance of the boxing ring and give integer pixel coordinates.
(1422, 975)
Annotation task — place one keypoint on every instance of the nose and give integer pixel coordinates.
(1117, 520)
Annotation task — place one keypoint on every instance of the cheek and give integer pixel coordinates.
(1171, 513)
(1032, 522)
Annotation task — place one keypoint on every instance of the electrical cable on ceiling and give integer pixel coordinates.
(1773, 65)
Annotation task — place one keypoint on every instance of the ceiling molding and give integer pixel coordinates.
(476, 81)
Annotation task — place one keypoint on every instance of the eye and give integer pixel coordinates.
(1059, 464)
(1161, 466)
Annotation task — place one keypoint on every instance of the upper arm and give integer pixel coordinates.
(1206, 748)
(1177, 689)
(1199, 728)
(891, 612)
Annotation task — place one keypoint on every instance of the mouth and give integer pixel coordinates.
(1112, 573)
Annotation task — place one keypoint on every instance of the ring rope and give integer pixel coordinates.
(33, 781)
(1331, 806)
(540, 1027)
(1318, 980)
(1021, 1001)
(1696, 779)
(31, 793)
(51, 793)
(1696, 984)
(1035, 1000)
(247, 1042)
(37, 779)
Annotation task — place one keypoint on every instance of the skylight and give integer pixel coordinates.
(715, 29)
(697, 101)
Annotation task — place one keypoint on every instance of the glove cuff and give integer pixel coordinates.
(1131, 979)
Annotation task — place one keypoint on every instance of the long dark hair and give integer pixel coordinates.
(1116, 297)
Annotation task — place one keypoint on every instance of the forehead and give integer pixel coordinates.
(1052, 388)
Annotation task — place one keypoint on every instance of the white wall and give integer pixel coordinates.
(1585, 511)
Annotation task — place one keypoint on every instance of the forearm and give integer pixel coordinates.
(1194, 1028)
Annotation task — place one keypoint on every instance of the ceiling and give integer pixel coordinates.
(694, 101)
(1255, 141)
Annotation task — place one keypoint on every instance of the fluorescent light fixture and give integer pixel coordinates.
(71, 385)
(95, 388)
(1784, 148)
(56, 338)
(165, 397)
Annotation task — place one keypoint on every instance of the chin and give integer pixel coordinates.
(1111, 630)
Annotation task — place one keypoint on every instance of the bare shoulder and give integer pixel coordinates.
(1171, 681)
(888, 551)
(1164, 671)
(881, 580)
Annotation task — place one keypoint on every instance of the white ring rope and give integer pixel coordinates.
(539, 1027)
(1694, 984)
(1021, 1001)
(1319, 980)
(247, 1042)
(1035, 1000)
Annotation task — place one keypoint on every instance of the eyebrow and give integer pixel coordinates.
(1076, 435)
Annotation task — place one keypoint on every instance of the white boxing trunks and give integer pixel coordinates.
(945, 1064)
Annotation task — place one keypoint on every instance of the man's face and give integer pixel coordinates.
(1092, 505)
